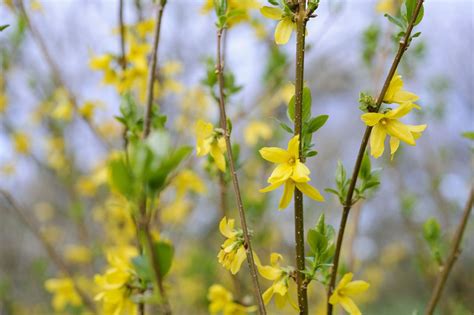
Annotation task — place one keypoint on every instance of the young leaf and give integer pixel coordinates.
(164, 254)
(317, 122)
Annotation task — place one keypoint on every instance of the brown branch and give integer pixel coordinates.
(403, 46)
(56, 72)
(453, 256)
(52, 254)
(301, 19)
(152, 69)
(123, 57)
(235, 180)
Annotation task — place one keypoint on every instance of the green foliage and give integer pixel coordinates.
(370, 41)
(210, 80)
(432, 235)
(2, 27)
(164, 255)
(322, 247)
(404, 19)
(468, 135)
(342, 183)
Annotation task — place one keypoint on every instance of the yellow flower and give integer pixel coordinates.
(188, 180)
(284, 28)
(78, 254)
(114, 288)
(101, 62)
(280, 278)
(87, 109)
(388, 6)
(221, 300)
(257, 130)
(21, 142)
(345, 290)
(35, 5)
(290, 171)
(64, 293)
(3, 103)
(396, 94)
(210, 141)
(232, 253)
(388, 123)
(241, 7)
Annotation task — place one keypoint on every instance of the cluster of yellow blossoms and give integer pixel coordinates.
(222, 301)
(388, 121)
(210, 141)
(232, 253)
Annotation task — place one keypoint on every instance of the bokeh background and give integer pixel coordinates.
(54, 167)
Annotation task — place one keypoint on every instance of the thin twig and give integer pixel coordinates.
(453, 256)
(301, 19)
(53, 255)
(57, 75)
(404, 43)
(235, 180)
(152, 69)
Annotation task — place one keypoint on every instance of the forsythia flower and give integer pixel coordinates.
(284, 28)
(345, 290)
(210, 141)
(114, 289)
(280, 277)
(64, 293)
(388, 123)
(188, 180)
(78, 254)
(396, 94)
(232, 253)
(223, 301)
(257, 130)
(241, 7)
(290, 171)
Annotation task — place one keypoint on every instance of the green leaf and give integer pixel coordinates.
(164, 254)
(431, 230)
(340, 174)
(317, 122)
(420, 16)
(120, 178)
(160, 169)
(409, 8)
(397, 21)
(306, 106)
(317, 242)
(142, 267)
(365, 168)
(2, 27)
(286, 127)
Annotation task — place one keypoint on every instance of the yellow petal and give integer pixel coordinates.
(271, 13)
(294, 147)
(405, 96)
(400, 111)
(275, 155)
(218, 156)
(287, 194)
(267, 295)
(310, 191)
(271, 187)
(396, 84)
(275, 259)
(238, 260)
(394, 144)
(269, 272)
(377, 139)
(399, 130)
(300, 172)
(281, 173)
(417, 128)
(355, 287)
(350, 306)
(345, 280)
(226, 227)
(280, 301)
(371, 119)
(283, 31)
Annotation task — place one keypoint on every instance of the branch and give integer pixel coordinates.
(403, 46)
(235, 180)
(453, 256)
(53, 255)
(152, 69)
(301, 19)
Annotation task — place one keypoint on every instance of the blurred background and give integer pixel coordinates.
(57, 129)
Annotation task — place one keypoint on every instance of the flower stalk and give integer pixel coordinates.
(403, 46)
(233, 173)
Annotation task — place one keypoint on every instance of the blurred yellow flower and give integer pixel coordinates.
(222, 301)
(344, 292)
(388, 123)
(78, 254)
(188, 180)
(3, 102)
(44, 211)
(21, 142)
(241, 7)
(290, 171)
(232, 253)
(388, 6)
(101, 62)
(257, 130)
(285, 26)
(64, 293)
(208, 141)
(87, 109)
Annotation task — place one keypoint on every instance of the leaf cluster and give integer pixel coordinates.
(405, 17)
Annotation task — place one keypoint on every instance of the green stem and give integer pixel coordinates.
(301, 19)
(403, 46)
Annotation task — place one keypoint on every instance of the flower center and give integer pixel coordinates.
(383, 121)
(291, 161)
